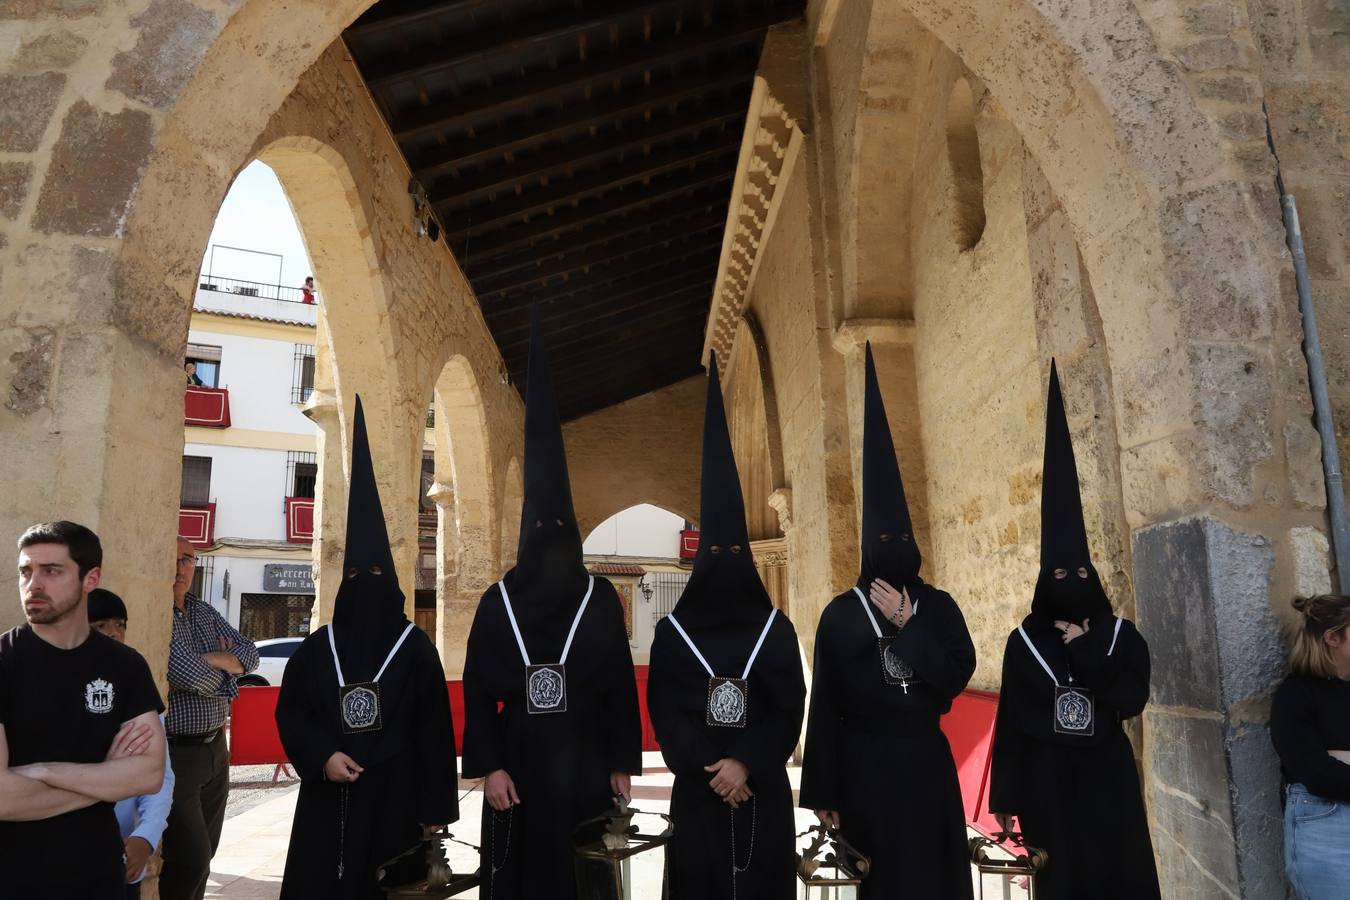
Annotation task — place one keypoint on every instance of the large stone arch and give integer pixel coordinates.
(463, 492)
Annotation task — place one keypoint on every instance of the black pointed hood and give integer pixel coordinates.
(549, 566)
(368, 611)
(1064, 542)
(889, 548)
(725, 587)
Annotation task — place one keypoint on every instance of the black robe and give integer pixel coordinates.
(409, 778)
(560, 762)
(1078, 798)
(699, 858)
(877, 755)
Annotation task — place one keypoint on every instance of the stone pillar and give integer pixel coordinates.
(1202, 590)
(454, 610)
(330, 502)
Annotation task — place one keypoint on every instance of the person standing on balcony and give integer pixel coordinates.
(726, 696)
(206, 654)
(548, 644)
(193, 379)
(307, 292)
(891, 654)
(365, 718)
(140, 819)
(1072, 674)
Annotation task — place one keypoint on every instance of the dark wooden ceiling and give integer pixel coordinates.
(578, 154)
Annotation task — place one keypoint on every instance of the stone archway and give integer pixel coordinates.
(466, 510)
(512, 493)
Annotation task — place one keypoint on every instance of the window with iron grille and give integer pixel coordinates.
(266, 616)
(196, 481)
(302, 473)
(202, 576)
(666, 590)
(302, 378)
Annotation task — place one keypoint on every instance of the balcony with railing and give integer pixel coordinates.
(206, 406)
(300, 520)
(197, 524)
(235, 296)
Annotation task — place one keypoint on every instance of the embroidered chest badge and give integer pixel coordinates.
(1073, 711)
(894, 670)
(728, 699)
(546, 688)
(360, 707)
(98, 696)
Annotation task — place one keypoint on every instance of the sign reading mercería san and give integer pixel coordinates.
(288, 578)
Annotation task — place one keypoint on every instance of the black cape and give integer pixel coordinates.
(724, 608)
(409, 763)
(1076, 796)
(560, 762)
(875, 752)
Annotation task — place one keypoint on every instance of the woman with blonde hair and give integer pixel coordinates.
(1310, 727)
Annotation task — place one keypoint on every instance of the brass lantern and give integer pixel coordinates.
(989, 856)
(424, 872)
(829, 867)
(605, 847)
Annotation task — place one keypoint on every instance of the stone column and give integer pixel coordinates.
(330, 501)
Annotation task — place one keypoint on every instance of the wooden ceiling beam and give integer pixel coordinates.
(577, 154)
(379, 24)
(689, 216)
(544, 88)
(515, 320)
(561, 123)
(576, 262)
(614, 274)
(718, 150)
(515, 338)
(647, 317)
(579, 409)
(667, 189)
(527, 33)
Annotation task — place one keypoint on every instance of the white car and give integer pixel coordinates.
(272, 658)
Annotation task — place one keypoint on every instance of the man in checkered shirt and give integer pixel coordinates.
(205, 656)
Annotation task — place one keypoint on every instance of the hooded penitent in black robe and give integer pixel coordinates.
(409, 763)
(560, 762)
(1076, 795)
(718, 853)
(874, 751)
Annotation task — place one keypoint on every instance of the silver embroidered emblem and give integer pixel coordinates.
(726, 704)
(98, 696)
(360, 708)
(545, 688)
(896, 667)
(1073, 712)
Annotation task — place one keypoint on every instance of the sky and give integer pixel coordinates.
(256, 216)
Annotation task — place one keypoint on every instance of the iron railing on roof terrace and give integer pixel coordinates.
(257, 289)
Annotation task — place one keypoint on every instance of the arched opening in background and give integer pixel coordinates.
(512, 494)
(641, 550)
(963, 155)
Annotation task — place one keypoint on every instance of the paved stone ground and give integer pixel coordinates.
(252, 852)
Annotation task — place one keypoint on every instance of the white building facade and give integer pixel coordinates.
(249, 461)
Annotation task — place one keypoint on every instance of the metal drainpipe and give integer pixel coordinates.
(1317, 378)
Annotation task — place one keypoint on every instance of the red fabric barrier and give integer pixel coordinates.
(253, 728)
(969, 727)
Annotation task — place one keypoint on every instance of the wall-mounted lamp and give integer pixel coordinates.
(424, 220)
(647, 589)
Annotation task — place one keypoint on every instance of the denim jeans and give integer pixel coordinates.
(1316, 845)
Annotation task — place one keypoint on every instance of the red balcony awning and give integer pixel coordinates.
(197, 524)
(300, 520)
(206, 406)
(688, 544)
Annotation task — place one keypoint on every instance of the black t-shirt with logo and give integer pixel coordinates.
(66, 706)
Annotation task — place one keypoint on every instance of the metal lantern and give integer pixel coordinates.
(989, 856)
(604, 851)
(424, 872)
(830, 868)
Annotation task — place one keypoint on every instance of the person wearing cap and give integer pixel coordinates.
(550, 695)
(726, 696)
(892, 652)
(1073, 672)
(364, 716)
(141, 819)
